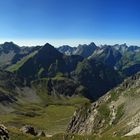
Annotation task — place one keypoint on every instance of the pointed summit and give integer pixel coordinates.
(48, 50)
(48, 45)
(92, 44)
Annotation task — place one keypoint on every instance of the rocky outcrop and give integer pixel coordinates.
(59, 86)
(41, 134)
(90, 118)
(4, 134)
(28, 130)
(118, 108)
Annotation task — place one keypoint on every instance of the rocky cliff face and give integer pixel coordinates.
(59, 86)
(117, 112)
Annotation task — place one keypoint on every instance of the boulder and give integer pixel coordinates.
(41, 134)
(28, 130)
(4, 134)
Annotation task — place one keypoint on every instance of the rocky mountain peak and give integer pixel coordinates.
(9, 46)
(49, 51)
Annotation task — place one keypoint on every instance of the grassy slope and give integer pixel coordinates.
(52, 118)
(55, 117)
(48, 113)
(16, 66)
(17, 135)
(129, 59)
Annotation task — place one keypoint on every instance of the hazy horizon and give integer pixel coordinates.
(70, 42)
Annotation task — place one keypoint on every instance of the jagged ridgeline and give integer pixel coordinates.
(47, 62)
(121, 57)
(90, 65)
(116, 114)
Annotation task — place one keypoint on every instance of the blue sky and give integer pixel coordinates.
(29, 22)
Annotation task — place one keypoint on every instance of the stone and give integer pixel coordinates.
(41, 134)
(28, 130)
(4, 133)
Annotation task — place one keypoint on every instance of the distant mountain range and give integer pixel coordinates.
(121, 57)
(82, 50)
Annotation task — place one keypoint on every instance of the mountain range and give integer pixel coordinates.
(97, 81)
(88, 65)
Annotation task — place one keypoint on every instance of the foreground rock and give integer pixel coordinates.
(4, 134)
(28, 130)
(135, 131)
(118, 110)
(41, 134)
